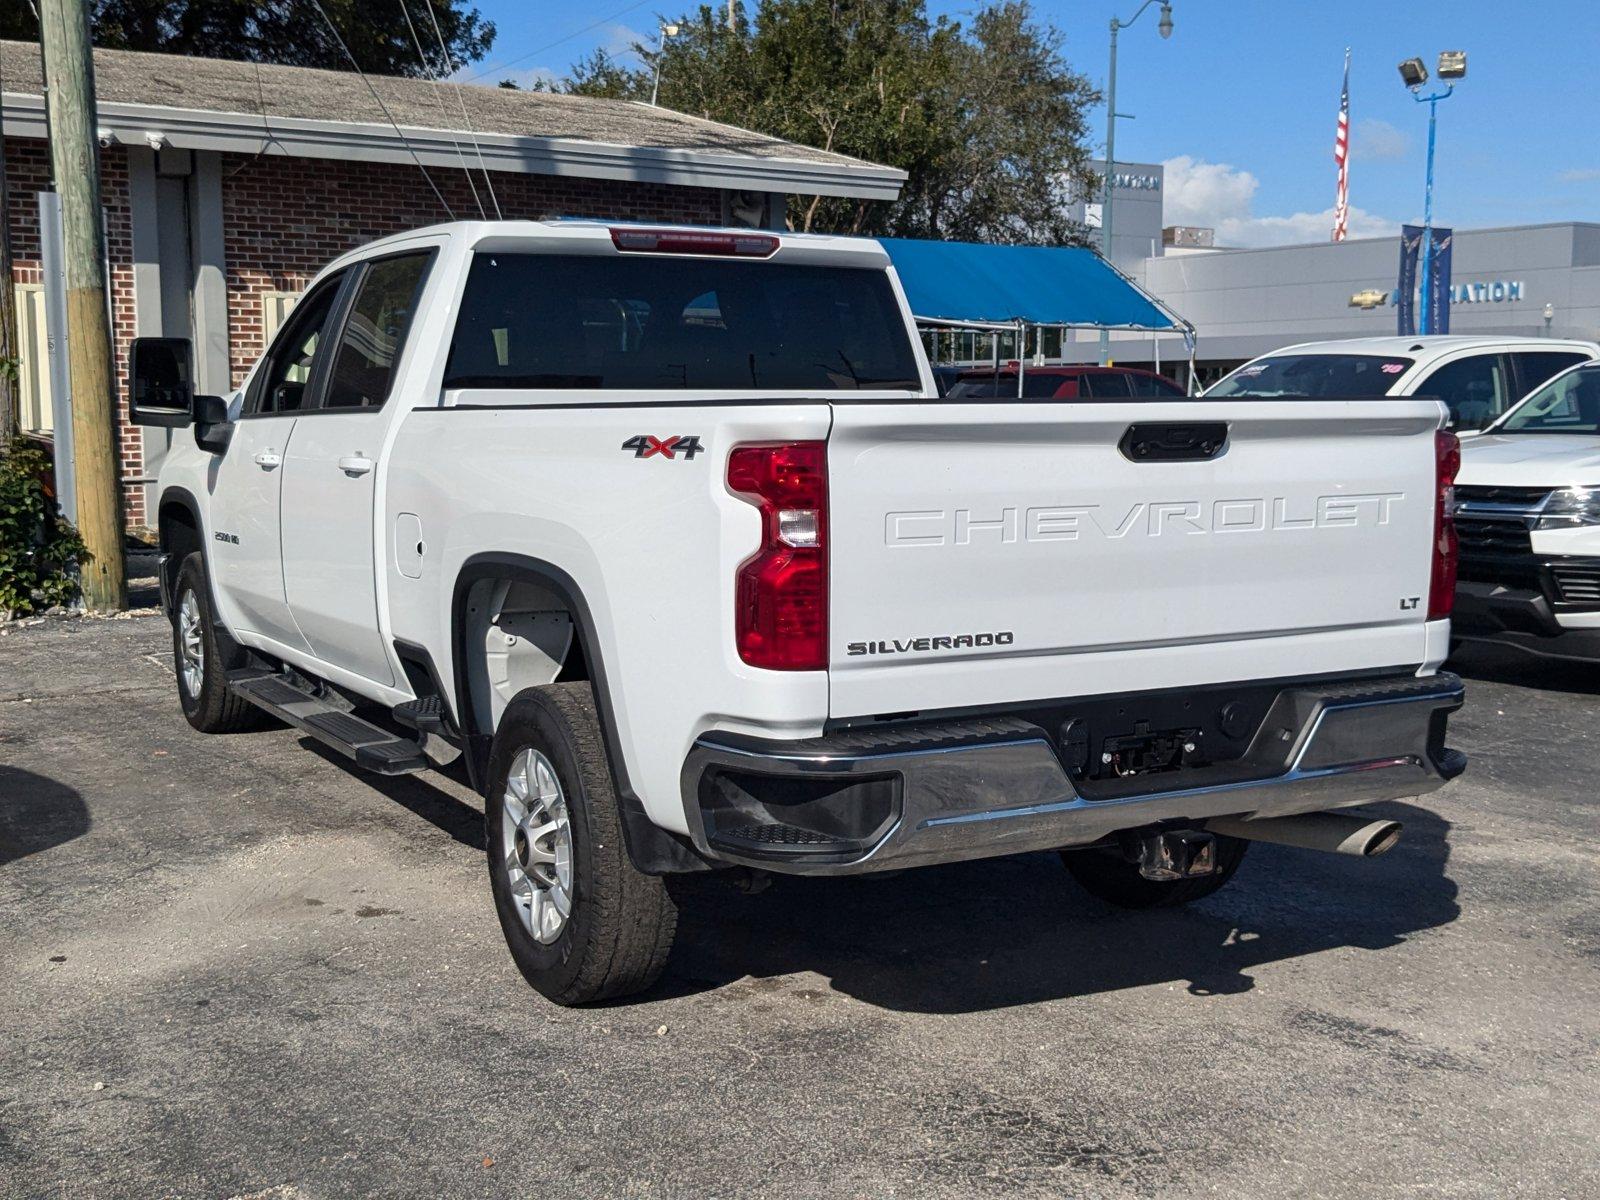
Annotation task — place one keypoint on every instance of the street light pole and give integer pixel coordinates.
(661, 52)
(1425, 323)
(1107, 184)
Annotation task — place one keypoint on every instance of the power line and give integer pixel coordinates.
(395, 125)
(449, 61)
(443, 111)
(511, 62)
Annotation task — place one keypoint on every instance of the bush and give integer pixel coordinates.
(40, 551)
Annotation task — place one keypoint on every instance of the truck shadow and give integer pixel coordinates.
(1498, 664)
(1002, 932)
(37, 813)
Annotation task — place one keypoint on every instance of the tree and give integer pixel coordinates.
(280, 31)
(989, 121)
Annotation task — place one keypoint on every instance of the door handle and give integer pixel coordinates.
(355, 464)
(268, 459)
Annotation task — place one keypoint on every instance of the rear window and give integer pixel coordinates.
(675, 324)
(1342, 375)
(999, 387)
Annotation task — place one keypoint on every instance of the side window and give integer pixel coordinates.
(374, 332)
(1040, 386)
(1109, 386)
(1534, 367)
(1475, 390)
(281, 385)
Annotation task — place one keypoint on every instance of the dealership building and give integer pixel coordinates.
(1523, 281)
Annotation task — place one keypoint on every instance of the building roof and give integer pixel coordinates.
(215, 104)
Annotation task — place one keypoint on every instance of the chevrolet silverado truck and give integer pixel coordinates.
(1527, 510)
(664, 538)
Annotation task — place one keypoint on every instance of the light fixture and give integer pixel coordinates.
(1165, 27)
(1414, 73)
(1452, 64)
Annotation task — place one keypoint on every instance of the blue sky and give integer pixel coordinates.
(1241, 102)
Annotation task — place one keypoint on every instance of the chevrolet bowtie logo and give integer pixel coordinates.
(1369, 299)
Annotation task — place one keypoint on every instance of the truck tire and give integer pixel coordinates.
(201, 662)
(583, 924)
(1107, 876)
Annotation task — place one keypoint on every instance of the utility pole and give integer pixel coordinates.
(10, 388)
(733, 16)
(74, 154)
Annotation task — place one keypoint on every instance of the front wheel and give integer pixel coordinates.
(582, 923)
(1108, 876)
(201, 660)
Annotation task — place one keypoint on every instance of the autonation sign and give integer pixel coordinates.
(1494, 291)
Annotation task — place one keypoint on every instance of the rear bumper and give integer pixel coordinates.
(1519, 617)
(913, 793)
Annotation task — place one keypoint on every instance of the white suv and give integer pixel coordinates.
(1527, 512)
(1478, 378)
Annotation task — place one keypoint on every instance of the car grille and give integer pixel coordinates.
(1492, 538)
(1511, 497)
(1576, 582)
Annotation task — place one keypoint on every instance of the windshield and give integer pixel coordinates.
(1341, 375)
(1569, 403)
(657, 322)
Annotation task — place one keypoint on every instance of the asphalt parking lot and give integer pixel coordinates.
(232, 967)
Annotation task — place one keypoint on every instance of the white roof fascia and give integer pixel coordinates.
(247, 133)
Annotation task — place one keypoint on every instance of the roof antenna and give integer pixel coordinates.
(393, 124)
(449, 61)
(443, 111)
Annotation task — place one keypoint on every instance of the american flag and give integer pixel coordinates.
(1341, 155)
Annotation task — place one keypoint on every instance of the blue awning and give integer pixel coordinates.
(965, 282)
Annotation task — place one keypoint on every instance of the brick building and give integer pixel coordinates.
(227, 185)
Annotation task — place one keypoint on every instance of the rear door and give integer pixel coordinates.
(331, 471)
(984, 554)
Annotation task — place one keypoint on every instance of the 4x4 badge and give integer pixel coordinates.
(645, 446)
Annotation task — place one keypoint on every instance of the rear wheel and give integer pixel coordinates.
(1108, 876)
(582, 923)
(201, 660)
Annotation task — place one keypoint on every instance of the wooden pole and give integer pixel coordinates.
(74, 152)
(10, 387)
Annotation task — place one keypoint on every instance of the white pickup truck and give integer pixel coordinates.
(666, 537)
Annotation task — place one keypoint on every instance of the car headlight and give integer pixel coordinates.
(1571, 507)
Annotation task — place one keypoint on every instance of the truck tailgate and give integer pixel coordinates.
(996, 552)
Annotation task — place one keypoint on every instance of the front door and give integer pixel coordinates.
(245, 554)
(330, 474)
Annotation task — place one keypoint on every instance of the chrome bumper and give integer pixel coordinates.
(913, 793)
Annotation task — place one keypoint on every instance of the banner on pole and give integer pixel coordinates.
(1405, 300)
(1438, 300)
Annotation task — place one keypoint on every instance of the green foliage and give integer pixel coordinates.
(988, 120)
(39, 549)
(278, 31)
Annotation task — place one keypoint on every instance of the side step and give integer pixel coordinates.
(369, 747)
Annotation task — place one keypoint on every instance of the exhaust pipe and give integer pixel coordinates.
(1337, 832)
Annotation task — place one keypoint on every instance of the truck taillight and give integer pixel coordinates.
(1446, 550)
(781, 591)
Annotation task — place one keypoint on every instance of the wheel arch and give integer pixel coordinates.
(653, 850)
(180, 531)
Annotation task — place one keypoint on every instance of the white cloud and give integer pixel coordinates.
(1580, 175)
(619, 40)
(1221, 196)
(1377, 140)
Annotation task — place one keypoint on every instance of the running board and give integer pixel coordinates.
(369, 747)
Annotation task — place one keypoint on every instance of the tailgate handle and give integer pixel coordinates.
(1189, 441)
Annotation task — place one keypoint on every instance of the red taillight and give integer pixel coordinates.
(1447, 460)
(682, 241)
(781, 591)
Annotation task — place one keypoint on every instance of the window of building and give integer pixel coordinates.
(33, 360)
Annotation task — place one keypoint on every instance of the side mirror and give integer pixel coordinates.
(160, 382)
(212, 429)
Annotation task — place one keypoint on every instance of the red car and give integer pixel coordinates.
(1062, 383)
